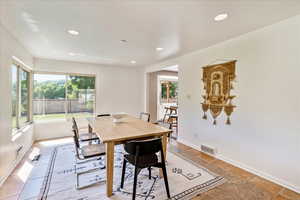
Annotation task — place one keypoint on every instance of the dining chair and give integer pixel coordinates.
(170, 123)
(172, 110)
(173, 122)
(167, 110)
(103, 115)
(142, 154)
(91, 129)
(145, 116)
(86, 154)
(83, 137)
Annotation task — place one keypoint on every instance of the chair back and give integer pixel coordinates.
(143, 147)
(74, 125)
(76, 142)
(103, 115)
(173, 110)
(145, 116)
(76, 138)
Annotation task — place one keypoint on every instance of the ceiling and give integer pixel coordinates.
(173, 68)
(177, 26)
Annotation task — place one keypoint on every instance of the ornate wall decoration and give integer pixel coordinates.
(217, 81)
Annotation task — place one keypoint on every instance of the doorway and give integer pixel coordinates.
(162, 94)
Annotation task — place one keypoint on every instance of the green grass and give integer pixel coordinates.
(60, 116)
(49, 117)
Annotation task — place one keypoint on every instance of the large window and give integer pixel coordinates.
(57, 96)
(20, 96)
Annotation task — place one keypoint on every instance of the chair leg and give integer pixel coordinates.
(166, 179)
(135, 182)
(78, 187)
(123, 173)
(149, 169)
(164, 119)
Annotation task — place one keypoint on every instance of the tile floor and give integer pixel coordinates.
(241, 185)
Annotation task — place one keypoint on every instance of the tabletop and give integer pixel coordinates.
(130, 128)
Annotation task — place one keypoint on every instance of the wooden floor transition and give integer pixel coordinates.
(241, 185)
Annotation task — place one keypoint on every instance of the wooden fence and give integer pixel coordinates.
(55, 106)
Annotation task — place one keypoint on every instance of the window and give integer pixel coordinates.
(48, 96)
(20, 96)
(80, 95)
(57, 96)
(168, 91)
(24, 97)
(14, 95)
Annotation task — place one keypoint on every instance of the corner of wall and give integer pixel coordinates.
(252, 170)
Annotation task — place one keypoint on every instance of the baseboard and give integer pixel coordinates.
(14, 165)
(264, 175)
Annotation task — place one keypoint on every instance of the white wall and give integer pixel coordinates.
(118, 89)
(9, 47)
(265, 133)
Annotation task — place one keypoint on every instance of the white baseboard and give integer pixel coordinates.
(252, 170)
(14, 165)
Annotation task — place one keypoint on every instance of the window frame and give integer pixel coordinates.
(20, 66)
(66, 89)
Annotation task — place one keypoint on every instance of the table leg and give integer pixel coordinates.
(164, 144)
(110, 147)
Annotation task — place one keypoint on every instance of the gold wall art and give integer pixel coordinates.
(217, 80)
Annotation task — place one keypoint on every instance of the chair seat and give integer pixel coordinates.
(143, 161)
(93, 150)
(87, 136)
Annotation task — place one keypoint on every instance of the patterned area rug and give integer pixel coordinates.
(186, 179)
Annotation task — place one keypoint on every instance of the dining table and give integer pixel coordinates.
(113, 133)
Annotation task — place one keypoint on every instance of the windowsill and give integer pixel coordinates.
(19, 132)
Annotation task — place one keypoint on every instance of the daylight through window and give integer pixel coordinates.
(20, 96)
(57, 96)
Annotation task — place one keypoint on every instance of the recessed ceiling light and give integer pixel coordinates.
(133, 62)
(73, 32)
(124, 41)
(221, 17)
(159, 49)
(76, 54)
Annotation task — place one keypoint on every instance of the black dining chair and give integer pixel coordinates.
(145, 116)
(103, 115)
(142, 154)
(91, 129)
(83, 137)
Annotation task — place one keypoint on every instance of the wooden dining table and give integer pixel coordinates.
(111, 134)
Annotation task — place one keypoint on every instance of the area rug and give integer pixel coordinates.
(186, 179)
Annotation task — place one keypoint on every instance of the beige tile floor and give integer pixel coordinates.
(241, 185)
